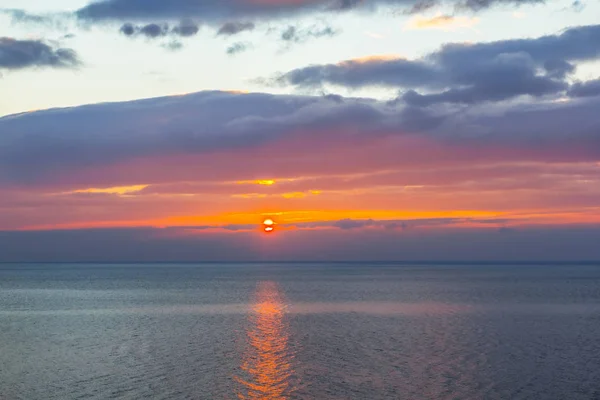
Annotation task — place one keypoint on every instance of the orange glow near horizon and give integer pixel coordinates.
(284, 218)
(487, 194)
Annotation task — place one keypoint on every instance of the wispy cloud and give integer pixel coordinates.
(237, 48)
(441, 22)
(374, 35)
(118, 190)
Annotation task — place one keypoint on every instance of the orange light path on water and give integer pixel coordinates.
(267, 360)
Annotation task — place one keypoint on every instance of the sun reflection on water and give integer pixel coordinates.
(267, 359)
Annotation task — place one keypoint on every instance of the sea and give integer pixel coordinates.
(300, 331)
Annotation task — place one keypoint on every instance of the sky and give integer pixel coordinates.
(148, 130)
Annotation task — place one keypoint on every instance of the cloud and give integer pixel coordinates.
(233, 28)
(154, 30)
(443, 22)
(118, 190)
(151, 31)
(173, 45)
(293, 34)
(424, 178)
(22, 16)
(394, 224)
(171, 245)
(374, 71)
(577, 6)
(421, 6)
(19, 54)
(477, 5)
(237, 47)
(197, 123)
(185, 28)
(585, 89)
(152, 244)
(467, 73)
(51, 20)
(509, 81)
(219, 10)
(299, 134)
(128, 29)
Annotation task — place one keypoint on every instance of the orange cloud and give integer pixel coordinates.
(374, 35)
(250, 196)
(372, 59)
(293, 195)
(442, 22)
(266, 182)
(118, 190)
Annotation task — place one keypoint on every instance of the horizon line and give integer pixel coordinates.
(449, 262)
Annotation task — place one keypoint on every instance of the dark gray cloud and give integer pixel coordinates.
(477, 5)
(201, 122)
(128, 29)
(185, 28)
(404, 73)
(558, 69)
(238, 47)
(495, 88)
(220, 10)
(347, 224)
(342, 5)
(294, 34)
(585, 89)
(420, 7)
(43, 146)
(467, 73)
(19, 54)
(233, 28)
(551, 243)
(574, 44)
(353, 224)
(154, 30)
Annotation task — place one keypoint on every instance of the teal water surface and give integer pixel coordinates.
(299, 331)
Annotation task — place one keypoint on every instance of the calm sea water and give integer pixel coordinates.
(299, 331)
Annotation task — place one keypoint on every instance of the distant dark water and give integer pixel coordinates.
(299, 331)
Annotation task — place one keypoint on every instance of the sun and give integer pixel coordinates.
(268, 225)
